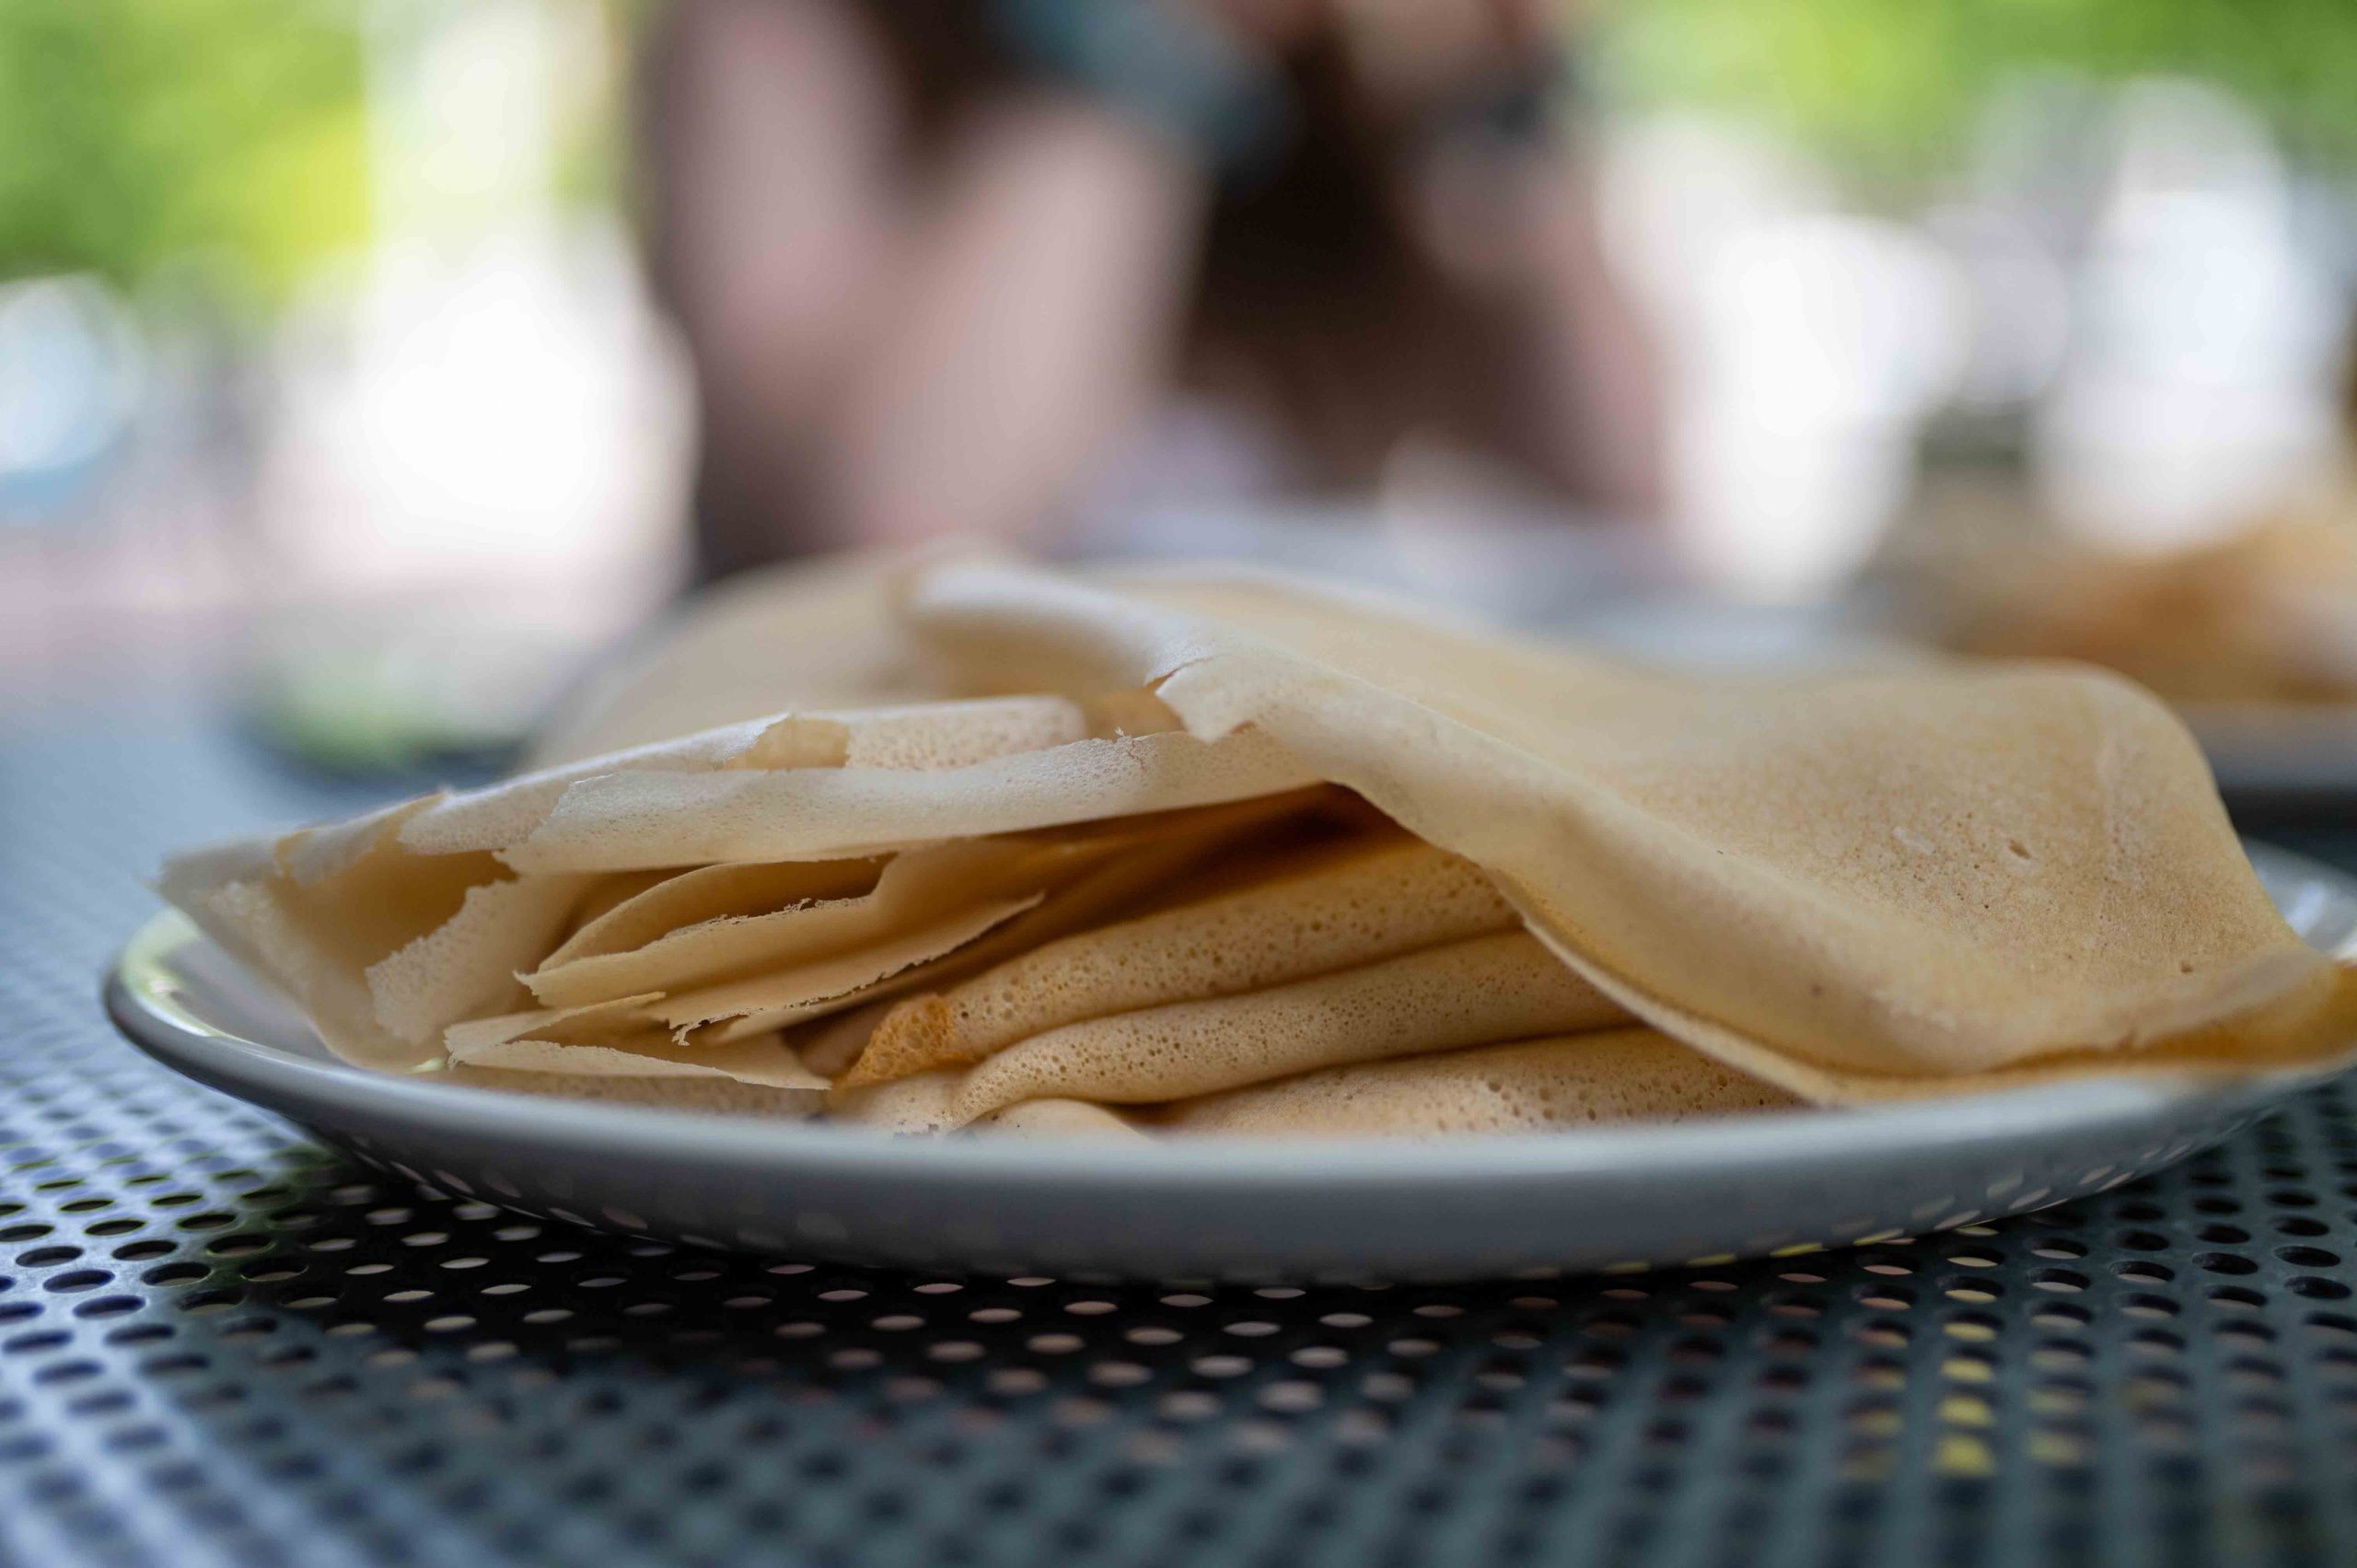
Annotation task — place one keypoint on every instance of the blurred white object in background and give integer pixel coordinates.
(466, 105)
(418, 493)
(479, 468)
(475, 480)
(489, 401)
(71, 370)
(508, 416)
(2197, 394)
(1834, 338)
(1806, 348)
(2017, 299)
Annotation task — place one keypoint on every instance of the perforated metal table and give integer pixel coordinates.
(221, 1344)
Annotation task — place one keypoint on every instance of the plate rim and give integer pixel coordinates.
(141, 994)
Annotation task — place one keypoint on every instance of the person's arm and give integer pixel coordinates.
(887, 354)
(1597, 375)
(1034, 311)
(771, 133)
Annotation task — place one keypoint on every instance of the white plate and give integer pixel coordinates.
(1206, 1209)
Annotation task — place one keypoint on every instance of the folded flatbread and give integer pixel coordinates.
(1364, 901)
(1532, 1086)
(1180, 853)
(1858, 888)
(1486, 989)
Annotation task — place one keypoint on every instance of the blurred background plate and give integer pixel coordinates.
(1250, 1211)
(2285, 762)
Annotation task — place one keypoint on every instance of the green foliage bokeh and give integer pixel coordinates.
(139, 133)
(1887, 86)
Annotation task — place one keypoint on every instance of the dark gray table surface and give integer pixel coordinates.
(220, 1343)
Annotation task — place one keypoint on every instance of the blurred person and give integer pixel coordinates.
(957, 266)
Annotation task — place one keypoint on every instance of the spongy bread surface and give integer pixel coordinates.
(1488, 988)
(720, 1096)
(1363, 902)
(921, 737)
(1857, 886)
(916, 887)
(1053, 1121)
(1862, 887)
(1537, 1085)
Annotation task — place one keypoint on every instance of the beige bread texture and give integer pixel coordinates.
(1078, 876)
(917, 887)
(606, 894)
(1563, 1084)
(1859, 886)
(1488, 988)
(764, 1063)
(809, 636)
(314, 911)
(926, 737)
(638, 908)
(829, 1046)
(831, 984)
(599, 1022)
(1055, 1121)
(640, 820)
(1175, 852)
(620, 1038)
(1164, 856)
(709, 1095)
(1354, 905)
(911, 1106)
(386, 936)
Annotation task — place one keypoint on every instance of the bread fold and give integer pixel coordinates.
(1471, 993)
(1859, 886)
(1175, 854)
(1560, 1083)
(1367, 901)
